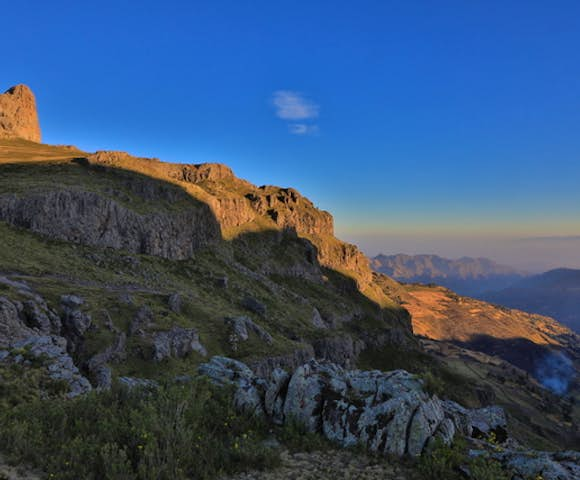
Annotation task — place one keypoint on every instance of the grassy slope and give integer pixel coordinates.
(101, 277)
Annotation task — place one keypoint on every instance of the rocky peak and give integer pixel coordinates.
(18, 115)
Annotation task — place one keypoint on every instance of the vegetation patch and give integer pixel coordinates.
(179, 431)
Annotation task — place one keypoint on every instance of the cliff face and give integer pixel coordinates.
(18, 116)
(240, 206)
(90, 219)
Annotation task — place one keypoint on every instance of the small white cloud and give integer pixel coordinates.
(293, 106)
(302, 129)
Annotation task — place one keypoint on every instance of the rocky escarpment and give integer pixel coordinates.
(389, 413)
(237, 207)
(18, 116)
(237, 204)
(91, 219)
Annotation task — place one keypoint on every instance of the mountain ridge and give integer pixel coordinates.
(466, 275)
(122, 270)
(555, 293)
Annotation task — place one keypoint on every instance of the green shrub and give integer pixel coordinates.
(443, 461)
(482, 468)
(450, 462)
(296, 438)
(174, 432)
(433, 384)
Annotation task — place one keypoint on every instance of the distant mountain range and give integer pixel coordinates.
(555, 293)
(466, 275)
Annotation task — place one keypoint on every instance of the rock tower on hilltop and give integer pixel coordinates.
(18, 116)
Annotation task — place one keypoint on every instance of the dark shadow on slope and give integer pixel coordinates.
(103, 206)
(551, 367)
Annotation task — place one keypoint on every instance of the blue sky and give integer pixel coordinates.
(413, 122)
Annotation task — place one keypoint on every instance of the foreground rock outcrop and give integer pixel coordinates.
(30, 332)
(18, 115)
(388, 413)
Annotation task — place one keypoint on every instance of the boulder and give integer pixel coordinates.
(177, 343)
(342, 350)
(242, 325)
(142, 320)
(478, 422)
(317, 321)
(174, 302)
(38, 316)
(75, 322)
(249, 390)
(304, 397)
(253, 305)
(275, 395)
(12, 327)
(99, 371)
(59, 364)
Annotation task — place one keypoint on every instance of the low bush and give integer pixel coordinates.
(451, 462)
(174, 432)
(296, 438)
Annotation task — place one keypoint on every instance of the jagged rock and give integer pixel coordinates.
(264, 367)
(18, 115)
(342, 350)
(90, 218)
(97, 366)
(74, 321)
(40, 317)
(288, 209)
(445, 431)
(12, 326)
(176, 343)
(203, 172)
(102, 376)
(304, 396)
(276, 394)
(142, 321)
(126, 299)
(59, 363)
(249, 391)
(389, 412)
(425, 422)
(253, 305)
(73, 302)
(317, 321)
(241, 325)
(477, 422)
(174, 302)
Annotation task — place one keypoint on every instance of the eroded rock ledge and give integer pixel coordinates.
(389, 412)
(386, 412)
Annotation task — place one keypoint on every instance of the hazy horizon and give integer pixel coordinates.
(532, 254)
